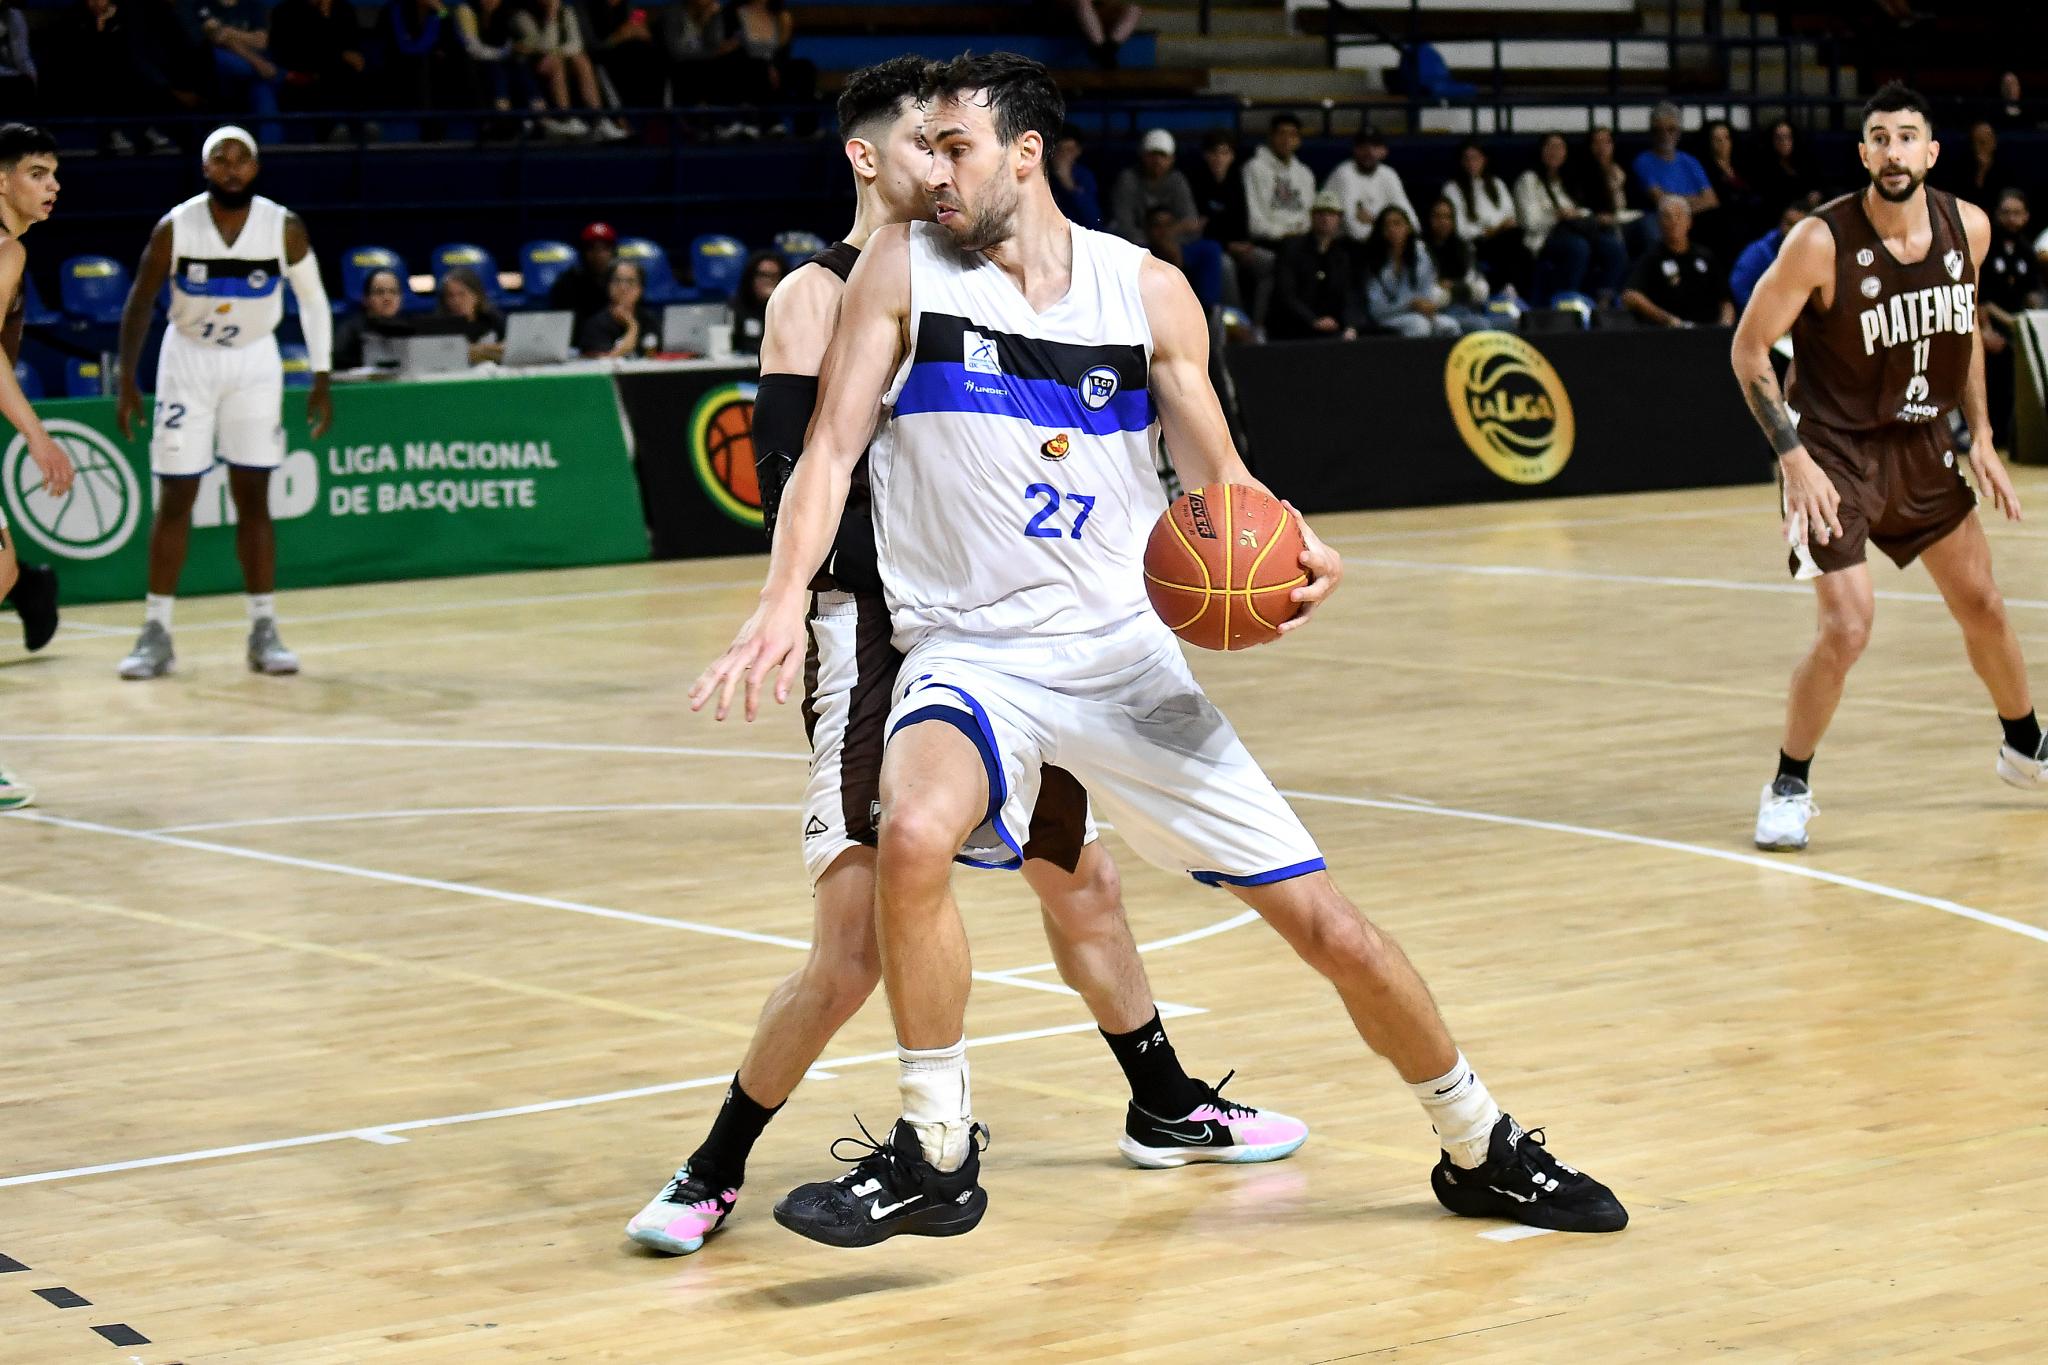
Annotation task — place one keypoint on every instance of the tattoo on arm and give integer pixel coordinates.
(1768, 406)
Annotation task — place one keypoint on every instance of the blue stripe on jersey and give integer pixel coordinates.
(948, 386)
(227, 287)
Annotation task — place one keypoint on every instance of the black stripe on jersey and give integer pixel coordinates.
(940, 340)
(230, 268)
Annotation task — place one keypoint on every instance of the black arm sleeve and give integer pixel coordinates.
(782, 413)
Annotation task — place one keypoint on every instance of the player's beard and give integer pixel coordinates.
(1913, 183)
(231, 199)
(993, 222)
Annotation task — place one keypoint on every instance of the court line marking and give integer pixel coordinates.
(1647, 580)
(435, 812)
(367, 742)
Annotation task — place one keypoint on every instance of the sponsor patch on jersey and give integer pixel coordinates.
(1865, 257)
(258, 278)
(1916, 389)
(1871, 286)
(1056, 448)
(979, 354)
(1097, 387)
(195, 272)
(1953, 263)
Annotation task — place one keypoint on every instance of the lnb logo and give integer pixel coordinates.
(96, 517)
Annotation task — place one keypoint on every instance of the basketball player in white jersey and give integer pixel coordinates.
(28, 194)
(1024, 368)
(1172, 1119)
(220, 383)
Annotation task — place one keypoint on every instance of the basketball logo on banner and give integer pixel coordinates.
(1510, 406)
(97, 516)
(722, 451)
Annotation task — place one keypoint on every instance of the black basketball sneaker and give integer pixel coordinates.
(1523, 1183)
(892, 1191)
(35, 598)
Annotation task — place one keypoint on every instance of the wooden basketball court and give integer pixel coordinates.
(349, 1017)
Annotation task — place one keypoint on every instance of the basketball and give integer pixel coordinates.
(1221, 564)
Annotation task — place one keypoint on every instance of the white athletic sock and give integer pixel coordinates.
(262, 606)
(1461, 1111)
(936, 1102)
(157, 607)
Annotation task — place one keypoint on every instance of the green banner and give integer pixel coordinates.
(413, 480)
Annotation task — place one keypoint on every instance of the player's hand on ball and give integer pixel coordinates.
(55, 464)
(1324, 567)
(1992, 480)
(772, 640)
(1811, 500)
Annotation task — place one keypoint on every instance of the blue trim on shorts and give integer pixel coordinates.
(200, 475)
(982, 735)
(1278, 874)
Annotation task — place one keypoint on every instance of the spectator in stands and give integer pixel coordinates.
(1678, 283)
(94, 65)
(246, 78)
(584, 290)
(758, 278)
(1218, 185)
(1457, 269)
(1153, 183)
(626, 327)
(1572, 253)
(764, 70)
(1606, 188)
(1314, 293)
(549, 34)
(19, 78)
(1980, 176)
(318, 45)
(1278, 186)
(2008, 113)
(177, 60)
(627, 51)
(381, 316)
(701, 49)
(1106, 24)
(1665, 170)
(1786, 173)
(464, 299)
(1740, 216)
(1756, 258)
(425, 66)
(1401, 290)
(502, 74)
(1368, 185)
(1163, 238)
(2009, 284)
(1486, 218)
(1073, 184)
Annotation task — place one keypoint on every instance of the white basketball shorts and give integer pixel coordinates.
(849, 678)
(1121, 711)
(229, 398)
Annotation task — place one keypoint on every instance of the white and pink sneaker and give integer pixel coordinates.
(1215, 1130)
(685, 1212)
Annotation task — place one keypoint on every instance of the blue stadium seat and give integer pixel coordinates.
(542, 263)
(655, 269)
(34, 312)
(82, 379)
(298, 365)
(356, 265)
(715, 264)
(452, 254)
(94, 289)
(30, 379)
(797, 246)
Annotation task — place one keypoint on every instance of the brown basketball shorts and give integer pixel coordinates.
(1901, 491)
(849, 681)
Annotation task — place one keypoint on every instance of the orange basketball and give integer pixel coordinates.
(1221, 564)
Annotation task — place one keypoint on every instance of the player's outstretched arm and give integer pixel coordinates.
(316, 320)
(150, 274)
(1191, 418)
(14, 405)
(1804, 266)
(866, 349)
(1992, 480)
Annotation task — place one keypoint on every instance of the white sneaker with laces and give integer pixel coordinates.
(1781, 816)
(2028, 774)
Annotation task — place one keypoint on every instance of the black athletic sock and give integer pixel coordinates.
(1158, 1084)
(2023, 734)
(733, 1134)
(1796, 768)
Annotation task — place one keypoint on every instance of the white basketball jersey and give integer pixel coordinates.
(1013, 472)
(224, 295)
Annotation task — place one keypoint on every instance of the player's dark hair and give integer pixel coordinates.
(1894, 97)
(18, 140)
(878, 92)
(1022, 95)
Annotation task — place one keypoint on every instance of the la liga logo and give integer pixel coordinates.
(722, 451)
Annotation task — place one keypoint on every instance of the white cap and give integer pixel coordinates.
(227, 133)
(1158, 140)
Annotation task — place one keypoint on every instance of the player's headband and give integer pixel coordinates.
(229, 133)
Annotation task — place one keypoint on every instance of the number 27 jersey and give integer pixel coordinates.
(1014, 485)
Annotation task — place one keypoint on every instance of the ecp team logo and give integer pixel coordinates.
(1510, 406)
(96, 517)
(722, 451)
(1097, 387)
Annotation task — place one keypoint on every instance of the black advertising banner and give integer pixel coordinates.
(1389, 422)
(693, 446)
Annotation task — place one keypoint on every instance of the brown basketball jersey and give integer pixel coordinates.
(1895, 346)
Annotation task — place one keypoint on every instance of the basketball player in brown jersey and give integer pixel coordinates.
(1879, 292)
(28, 195)
(850, 677)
